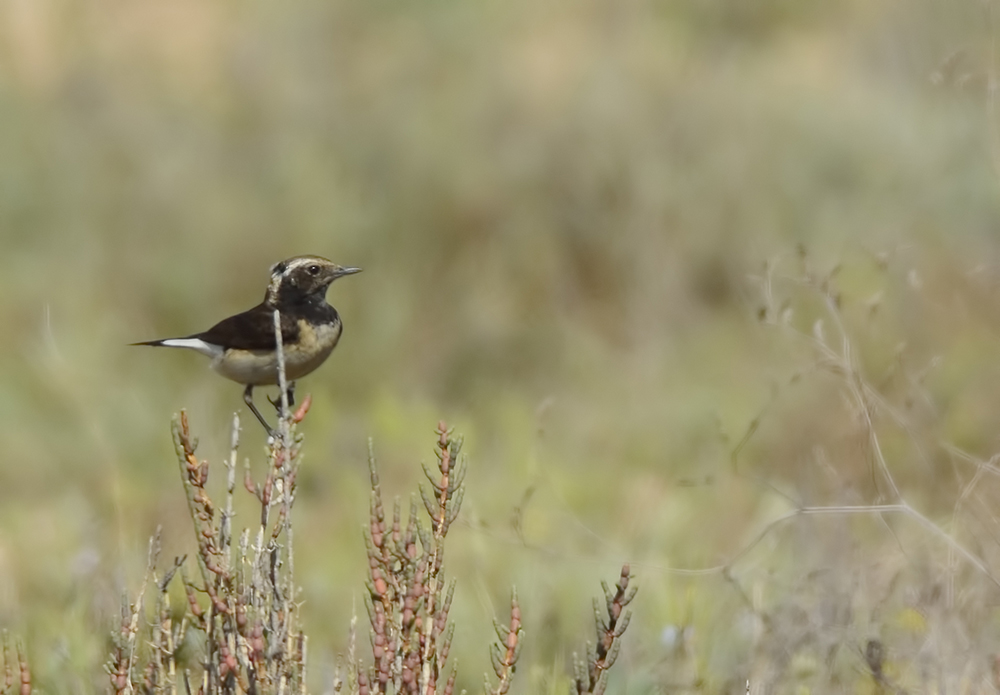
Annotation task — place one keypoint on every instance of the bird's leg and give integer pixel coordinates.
(276, 402)
(248, 399)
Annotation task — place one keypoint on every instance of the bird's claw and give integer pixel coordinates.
(276, 402)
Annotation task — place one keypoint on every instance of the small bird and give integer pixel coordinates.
(243, 347)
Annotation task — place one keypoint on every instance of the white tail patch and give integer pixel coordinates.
(194, 344)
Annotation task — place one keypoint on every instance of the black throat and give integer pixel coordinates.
(311, 307)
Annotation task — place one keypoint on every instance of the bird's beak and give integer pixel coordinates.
(340, 272)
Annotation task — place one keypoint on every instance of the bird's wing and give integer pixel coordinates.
(251, 330)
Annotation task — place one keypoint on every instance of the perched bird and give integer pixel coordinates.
(243, 347)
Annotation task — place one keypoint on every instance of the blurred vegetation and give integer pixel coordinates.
(564, 211)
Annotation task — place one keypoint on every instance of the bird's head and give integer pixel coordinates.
(303, 278)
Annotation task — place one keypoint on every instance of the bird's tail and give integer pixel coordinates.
(196, 344)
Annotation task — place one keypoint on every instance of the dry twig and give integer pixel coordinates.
(591, 674)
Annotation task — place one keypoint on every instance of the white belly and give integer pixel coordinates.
(260, 367)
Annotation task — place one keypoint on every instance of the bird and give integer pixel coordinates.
(243, 347)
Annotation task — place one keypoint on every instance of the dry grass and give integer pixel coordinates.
(16, 672)
(242, 609)
(242, 613)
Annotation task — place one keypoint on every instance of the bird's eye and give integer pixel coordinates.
(313, 269)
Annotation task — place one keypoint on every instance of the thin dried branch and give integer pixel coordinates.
(591, 674)
(505, 652)
(19, 682)
(408, 600)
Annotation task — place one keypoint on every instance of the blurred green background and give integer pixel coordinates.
(564, 211)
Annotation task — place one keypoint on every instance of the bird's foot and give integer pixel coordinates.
(276, 402)
(248, 399)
